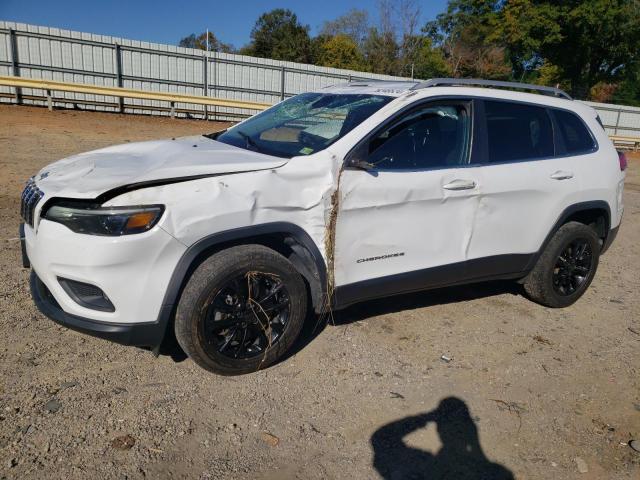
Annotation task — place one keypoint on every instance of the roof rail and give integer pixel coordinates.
(454, 82)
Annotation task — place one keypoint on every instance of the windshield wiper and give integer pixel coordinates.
(250, 142)
(215, 135)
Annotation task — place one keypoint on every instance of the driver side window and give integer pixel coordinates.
(431, 136)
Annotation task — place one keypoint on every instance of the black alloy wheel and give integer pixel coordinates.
(241, 310)
(565, 268)
(572, 267)
(247, 315)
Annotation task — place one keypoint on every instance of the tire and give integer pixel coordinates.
(224, 283)
(548, 283)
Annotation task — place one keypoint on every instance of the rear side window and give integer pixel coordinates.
(575, 134)
(517, 132)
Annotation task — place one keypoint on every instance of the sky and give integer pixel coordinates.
(167, 21)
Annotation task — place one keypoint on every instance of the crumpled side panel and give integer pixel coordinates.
(299, 193)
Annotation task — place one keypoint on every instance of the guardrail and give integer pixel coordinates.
(118, 93)
(626, 142)
(49, 86)
(619, 111)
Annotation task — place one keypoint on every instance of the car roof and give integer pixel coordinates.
(498, 90)
(398, 88)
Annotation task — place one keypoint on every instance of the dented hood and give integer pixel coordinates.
(91, 174)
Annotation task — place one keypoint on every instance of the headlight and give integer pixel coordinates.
(111, 221)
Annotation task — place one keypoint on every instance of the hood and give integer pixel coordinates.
(94, 173)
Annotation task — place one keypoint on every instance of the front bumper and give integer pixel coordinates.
(137, 334)
(133, 271)
(23, 248)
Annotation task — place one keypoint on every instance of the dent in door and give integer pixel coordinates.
(404, 226)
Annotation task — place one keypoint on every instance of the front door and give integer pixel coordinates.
(410, 205)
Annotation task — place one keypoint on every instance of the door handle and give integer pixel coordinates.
(562, 175)
(460, 184)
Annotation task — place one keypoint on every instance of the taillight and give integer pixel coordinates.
(622, 158)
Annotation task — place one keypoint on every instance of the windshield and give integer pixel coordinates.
(303, 124)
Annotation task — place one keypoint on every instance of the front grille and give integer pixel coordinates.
(31, 195)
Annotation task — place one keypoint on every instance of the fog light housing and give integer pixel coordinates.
(87, 295)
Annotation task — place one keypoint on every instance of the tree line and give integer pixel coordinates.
(590, 48)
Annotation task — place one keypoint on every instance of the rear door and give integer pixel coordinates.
(525, 180)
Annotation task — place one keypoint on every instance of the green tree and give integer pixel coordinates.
(551, 75)
(381, 52)
(526, 28)
(593, 41)
(278, 35)
(340, 51)
(200, 42)
(628, 90)
(354, 24)
(408, 18)
(429, 62)
(464, 32)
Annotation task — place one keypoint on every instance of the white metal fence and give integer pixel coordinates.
(55, 54)
(619, 119)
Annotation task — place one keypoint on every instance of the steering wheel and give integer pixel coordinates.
(307, 139)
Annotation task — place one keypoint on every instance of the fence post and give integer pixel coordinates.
(15, 67)
(282, 73)
(118, 53)
(214, 77)
(205, 83)
(615, 131)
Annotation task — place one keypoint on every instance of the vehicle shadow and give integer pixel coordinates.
(315, 324)
(461, 456)
(426, 298)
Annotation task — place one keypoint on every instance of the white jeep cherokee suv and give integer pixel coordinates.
(329, 198)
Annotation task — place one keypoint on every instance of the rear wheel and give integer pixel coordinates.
(566, 267)
(241, 310)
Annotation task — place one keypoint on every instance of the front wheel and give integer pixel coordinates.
(566, 267)
(241, 310)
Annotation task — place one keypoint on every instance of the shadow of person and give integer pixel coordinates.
(460, 458)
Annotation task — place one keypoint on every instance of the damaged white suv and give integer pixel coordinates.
(353, 192)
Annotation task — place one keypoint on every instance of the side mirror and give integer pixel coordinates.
(357, 159)
(361, 165)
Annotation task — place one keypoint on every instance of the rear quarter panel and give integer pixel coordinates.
(599, 174)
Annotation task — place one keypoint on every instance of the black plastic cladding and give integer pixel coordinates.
(181, 272)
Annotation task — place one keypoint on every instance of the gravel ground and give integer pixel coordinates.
(528, 392)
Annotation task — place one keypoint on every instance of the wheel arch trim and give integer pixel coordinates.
(300, 237)
(566, 214)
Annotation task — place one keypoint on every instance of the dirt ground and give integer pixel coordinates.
(529, 392)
